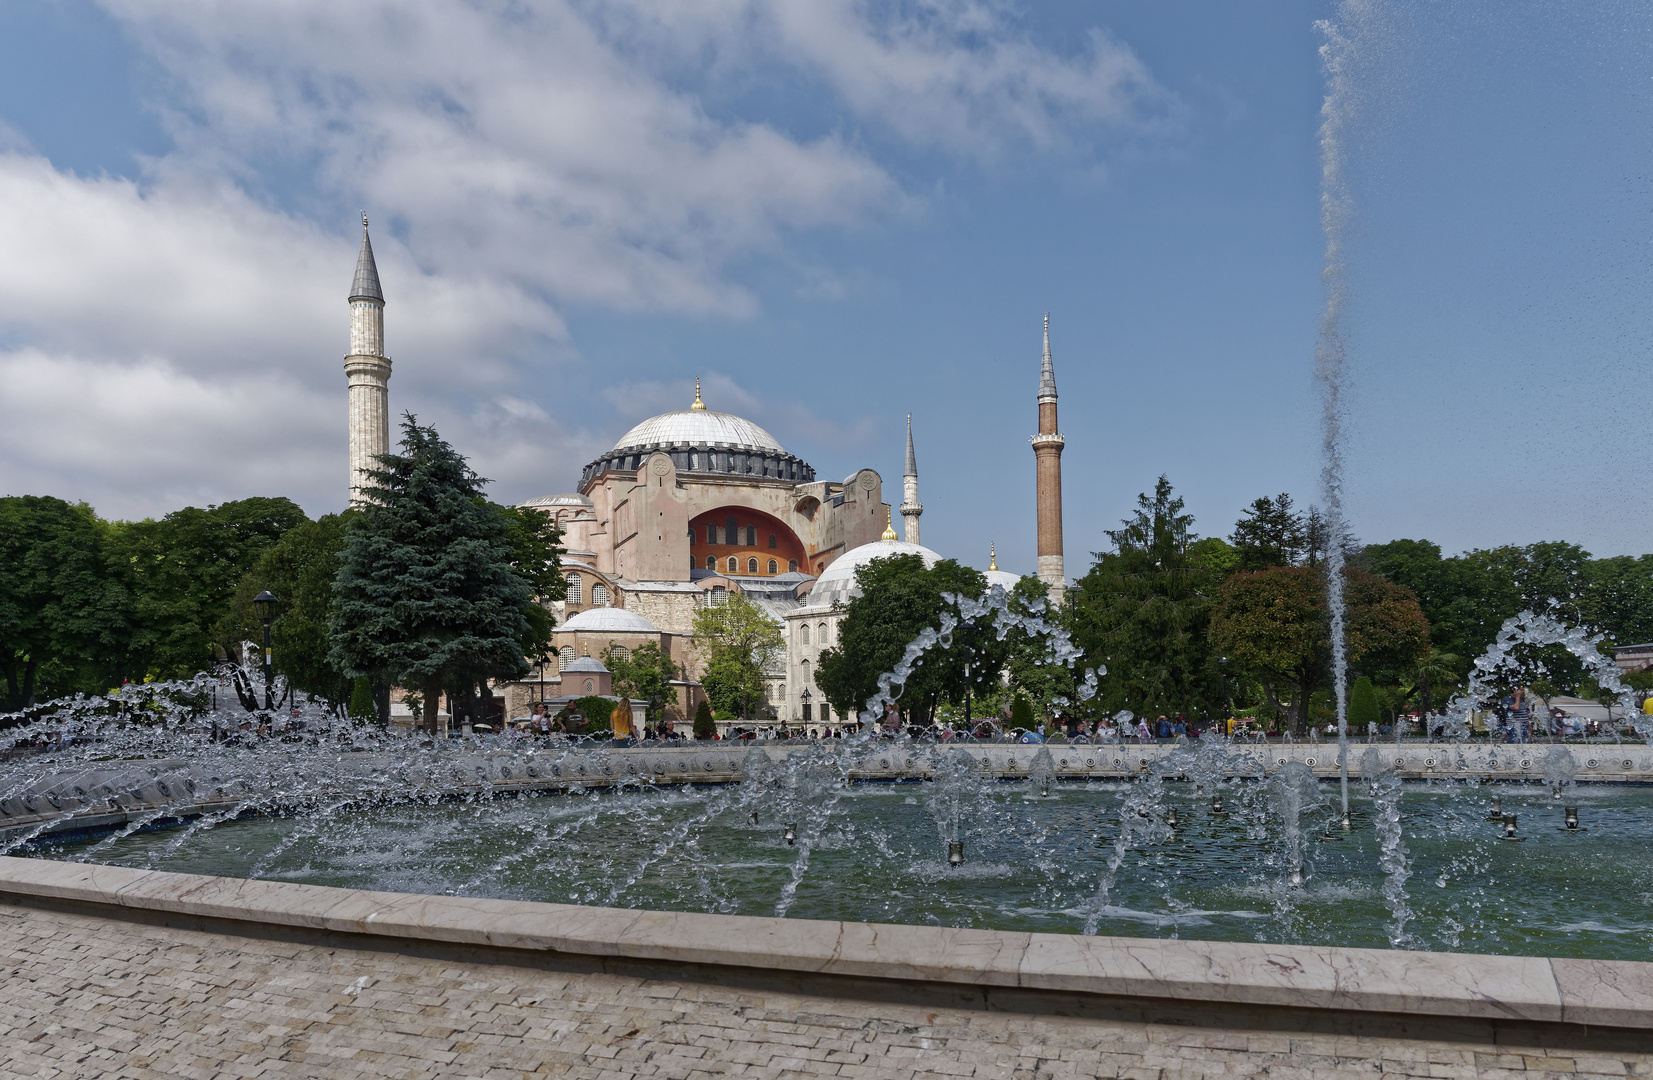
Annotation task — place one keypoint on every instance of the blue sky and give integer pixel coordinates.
(836, 214)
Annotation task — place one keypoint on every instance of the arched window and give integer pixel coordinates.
(599, 595)
(711, 563)
(693, 565)
(774, 567)
(751, 566)
(619, 652)
(731, 531)
(565, 657)
(734, 565)
(821, 633)
(792, 566)
(719, 595)
(803, 634)
(711, 534)
(590, 686)
(751, 536)
(691, 538)
(772, 542)
(574, 582)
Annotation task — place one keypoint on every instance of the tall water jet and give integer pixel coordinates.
(957, 787)
(1329, 354)
(1041, 772)
(1292, 792)
(1396, 864)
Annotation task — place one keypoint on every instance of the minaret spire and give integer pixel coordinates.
(368, 370)
(1047, 455)
(911, 508)
(698, 404)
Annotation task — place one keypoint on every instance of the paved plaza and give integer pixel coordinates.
(82, 996)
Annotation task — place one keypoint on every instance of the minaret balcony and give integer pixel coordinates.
(1047, 440)
(912, 509)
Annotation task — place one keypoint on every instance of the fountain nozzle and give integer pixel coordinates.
(753, 820)
(1497, 809)
(791, 834)
(1509, 828)
(1171, 816)
(1572, 820)
(1346, 823)
(955, 852)
(1216, 804)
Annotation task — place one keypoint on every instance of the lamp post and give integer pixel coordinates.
(804, 697)
(1228, 706)
(264, 603)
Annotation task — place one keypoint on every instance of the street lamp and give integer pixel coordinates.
(264, 603)
(804, 697)
(1222, 673)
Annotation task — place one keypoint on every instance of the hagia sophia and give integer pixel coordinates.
(690, 507)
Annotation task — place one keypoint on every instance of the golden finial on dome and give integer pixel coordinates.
(889, 527)
(698, 404)
(992, 555)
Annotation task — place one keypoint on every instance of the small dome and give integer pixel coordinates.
(567, 498)
(609, 620)
(837, 581)
(587, 664)
(1004, 579)
(698, 427)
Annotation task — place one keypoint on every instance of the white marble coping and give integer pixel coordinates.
(1609, 993)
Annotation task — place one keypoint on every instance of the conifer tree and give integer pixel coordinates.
(426, 593)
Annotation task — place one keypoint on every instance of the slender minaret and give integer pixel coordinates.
(1047, 454)
(911, 508)
(368, 369)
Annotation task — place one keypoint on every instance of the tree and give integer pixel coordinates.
(704, 725)
(64, 616)
(536, 556)
(299, 572)
(1142, 610)
(427, 591)
(1269, 533)
(1021, 714)
(362, 704)
(740, 641)
(645, 674)
(1031, 675)
(897, 599)
(183, 571)
(1363, 714)
(1274, 626)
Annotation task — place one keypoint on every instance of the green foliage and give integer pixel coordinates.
(740, 642)
(596, 712)
(705, 726)
(1269, 534)
(427, 592)
(1363, 706)
(536, 556)
(1142, 610)
(898, 599)
(299, 571)
(183, 571)
(1216, 555)
(1031, 672)
(1021, 714)
(64, 612)
(644, 675)
(361, 701)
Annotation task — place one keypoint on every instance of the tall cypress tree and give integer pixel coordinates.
(426, 593)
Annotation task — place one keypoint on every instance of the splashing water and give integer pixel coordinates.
(1385, 788)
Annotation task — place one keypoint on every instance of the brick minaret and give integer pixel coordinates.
(911, 508)
(1047, 453)
(368, 369)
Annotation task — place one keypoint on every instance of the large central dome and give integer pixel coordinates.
(703, 444)
(699, 427)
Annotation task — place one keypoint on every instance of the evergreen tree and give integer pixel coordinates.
(362, 706)
(1021, 714)
(1269, 534)
(1143, 610)
(1363, 712)
(427, 592)
(704, 725)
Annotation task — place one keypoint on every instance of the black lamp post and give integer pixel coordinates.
(804, 697)
(1228, 705)
(264, 603)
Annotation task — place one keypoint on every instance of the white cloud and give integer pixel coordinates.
(517, 159)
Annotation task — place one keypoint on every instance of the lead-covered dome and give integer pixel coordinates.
(701, 441)
(837, 582)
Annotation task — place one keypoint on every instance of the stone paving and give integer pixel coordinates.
(82, 996)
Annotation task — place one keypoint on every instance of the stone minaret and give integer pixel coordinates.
(1047, 453)
(368, 369)
(911, 508)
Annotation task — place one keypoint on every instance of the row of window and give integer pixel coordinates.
(822, 635)
(732, 565)
(599, 591)
(565, 655)
(731, 535)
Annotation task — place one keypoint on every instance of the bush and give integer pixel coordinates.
(596, 709)
(362, 708)
(1021, 714)
(1363, 706)
(704, 726)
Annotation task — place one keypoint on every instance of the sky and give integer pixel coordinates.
(836, 214)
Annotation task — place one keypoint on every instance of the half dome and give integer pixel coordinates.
(609, 620)
(837, 582)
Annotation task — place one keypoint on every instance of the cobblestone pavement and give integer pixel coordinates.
(87, 997)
